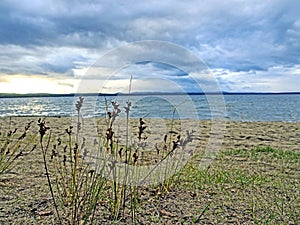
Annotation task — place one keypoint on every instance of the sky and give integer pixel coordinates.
(50, 46)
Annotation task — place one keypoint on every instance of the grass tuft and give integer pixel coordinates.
(15, 144)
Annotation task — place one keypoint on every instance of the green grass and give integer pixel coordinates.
(248, 188)
(267, 153)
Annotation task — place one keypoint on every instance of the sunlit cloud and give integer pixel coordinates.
(35, 84)
(275, 79)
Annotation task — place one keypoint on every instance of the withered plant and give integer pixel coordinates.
(135, 150)
(14, 144)
(78, 186)
(75, 186)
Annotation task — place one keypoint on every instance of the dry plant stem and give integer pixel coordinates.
(168, 153)
(75, 155)
(111, 116)
(166, 182)
(127, 111)
(73, 173)
(73, 165)
(44, 150)
(75, 184)
(9, 153)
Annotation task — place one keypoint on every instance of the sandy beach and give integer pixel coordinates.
(25, 198)
(282, 135)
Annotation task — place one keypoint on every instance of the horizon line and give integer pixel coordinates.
(13, 95)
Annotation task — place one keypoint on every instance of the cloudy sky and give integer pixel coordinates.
(48, 46)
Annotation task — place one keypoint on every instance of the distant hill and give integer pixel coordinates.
(15, 95)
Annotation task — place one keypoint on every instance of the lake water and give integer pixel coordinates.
(271, 107)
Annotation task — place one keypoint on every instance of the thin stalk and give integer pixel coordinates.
(133, 204)
(127, 111)
(127, 117)
(47, 173)
(166, 183)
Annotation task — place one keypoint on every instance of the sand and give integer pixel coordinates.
(24, 195)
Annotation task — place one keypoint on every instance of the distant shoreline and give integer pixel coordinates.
(14, 95)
